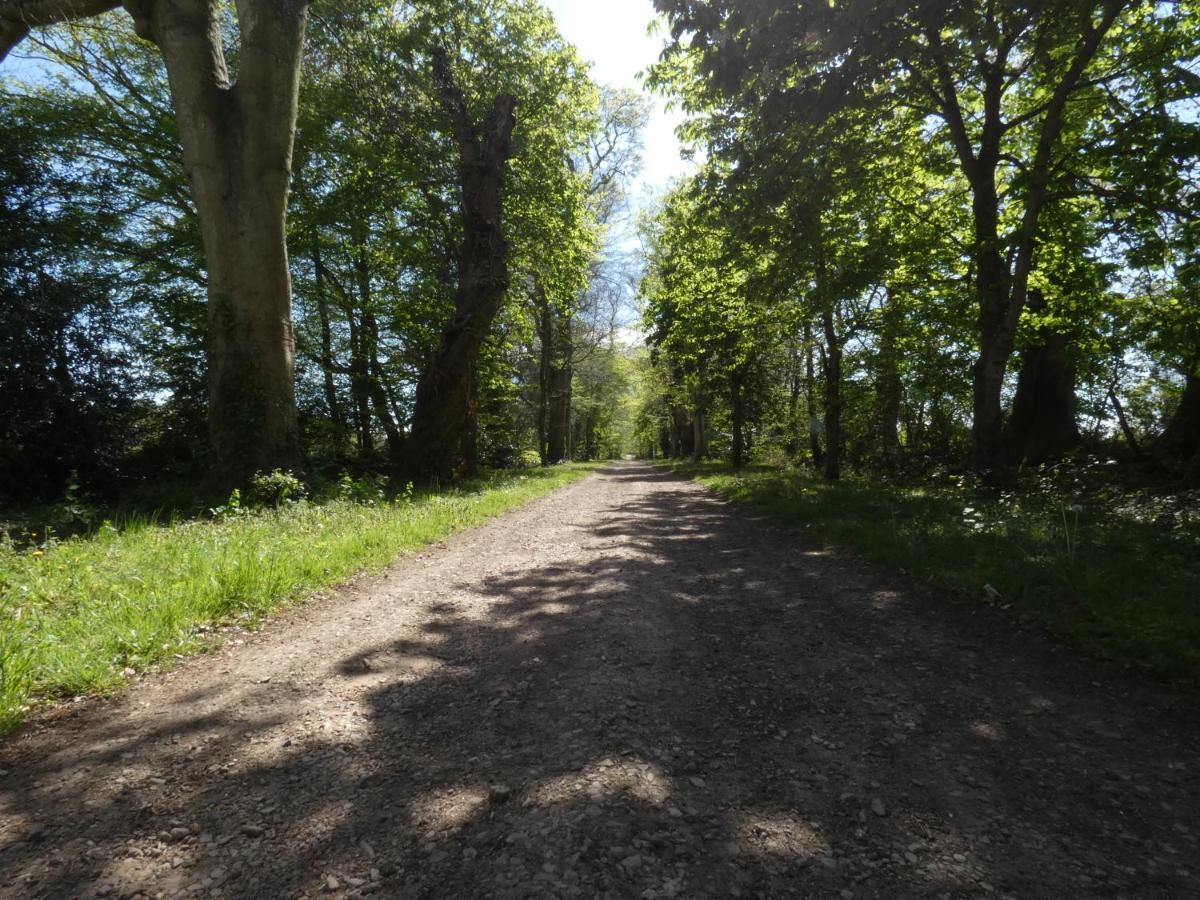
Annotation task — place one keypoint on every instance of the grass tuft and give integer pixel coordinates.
(75, 616)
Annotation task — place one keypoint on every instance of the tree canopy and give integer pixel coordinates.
(961, 209)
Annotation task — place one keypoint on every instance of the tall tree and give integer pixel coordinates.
(444, 417)
(236, 127)
(1004, 83)
(518, 199)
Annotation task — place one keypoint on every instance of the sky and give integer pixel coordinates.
(612, 35)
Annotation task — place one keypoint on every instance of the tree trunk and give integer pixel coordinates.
(554, 378)
(993, 296)
(833, 398)
(1042, 426)
(237, 149)
(795, 384)
(683, 434)
(559, 385)
(469, 448)
(369, 369)
(546, 339)
(738, 415)
(1181, 439)
(888, 386)
(331, 397)
(358, 384)
(810, 400)
(1002, 290)
(441, 441)
(699, 434)
(379, 397)
(1130, 437)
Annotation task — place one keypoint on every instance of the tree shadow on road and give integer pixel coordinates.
(704, 706)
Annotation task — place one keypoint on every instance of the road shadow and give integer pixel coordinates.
(701, 705)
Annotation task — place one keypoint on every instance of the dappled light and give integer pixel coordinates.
(990, 731)
(785, 836)
(669, 717)
(624, 450)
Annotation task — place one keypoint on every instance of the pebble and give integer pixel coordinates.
(878, 808)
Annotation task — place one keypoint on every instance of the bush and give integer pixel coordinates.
(367, 489)
(275, 489)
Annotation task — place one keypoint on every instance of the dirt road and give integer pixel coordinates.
(629, 689)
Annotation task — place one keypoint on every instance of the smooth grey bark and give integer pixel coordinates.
(17, 17)
(237, 150)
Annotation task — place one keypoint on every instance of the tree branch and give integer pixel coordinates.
(17, 17)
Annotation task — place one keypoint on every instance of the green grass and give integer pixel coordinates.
(1121, 588)
(75, 616)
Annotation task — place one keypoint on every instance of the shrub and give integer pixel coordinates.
(275, 489)
(367, 489)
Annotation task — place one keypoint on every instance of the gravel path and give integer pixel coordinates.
(629, 689)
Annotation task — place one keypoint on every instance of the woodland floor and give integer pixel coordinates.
(627, 689)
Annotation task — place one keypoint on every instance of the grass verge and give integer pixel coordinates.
(1124, 589)
(76, 616)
